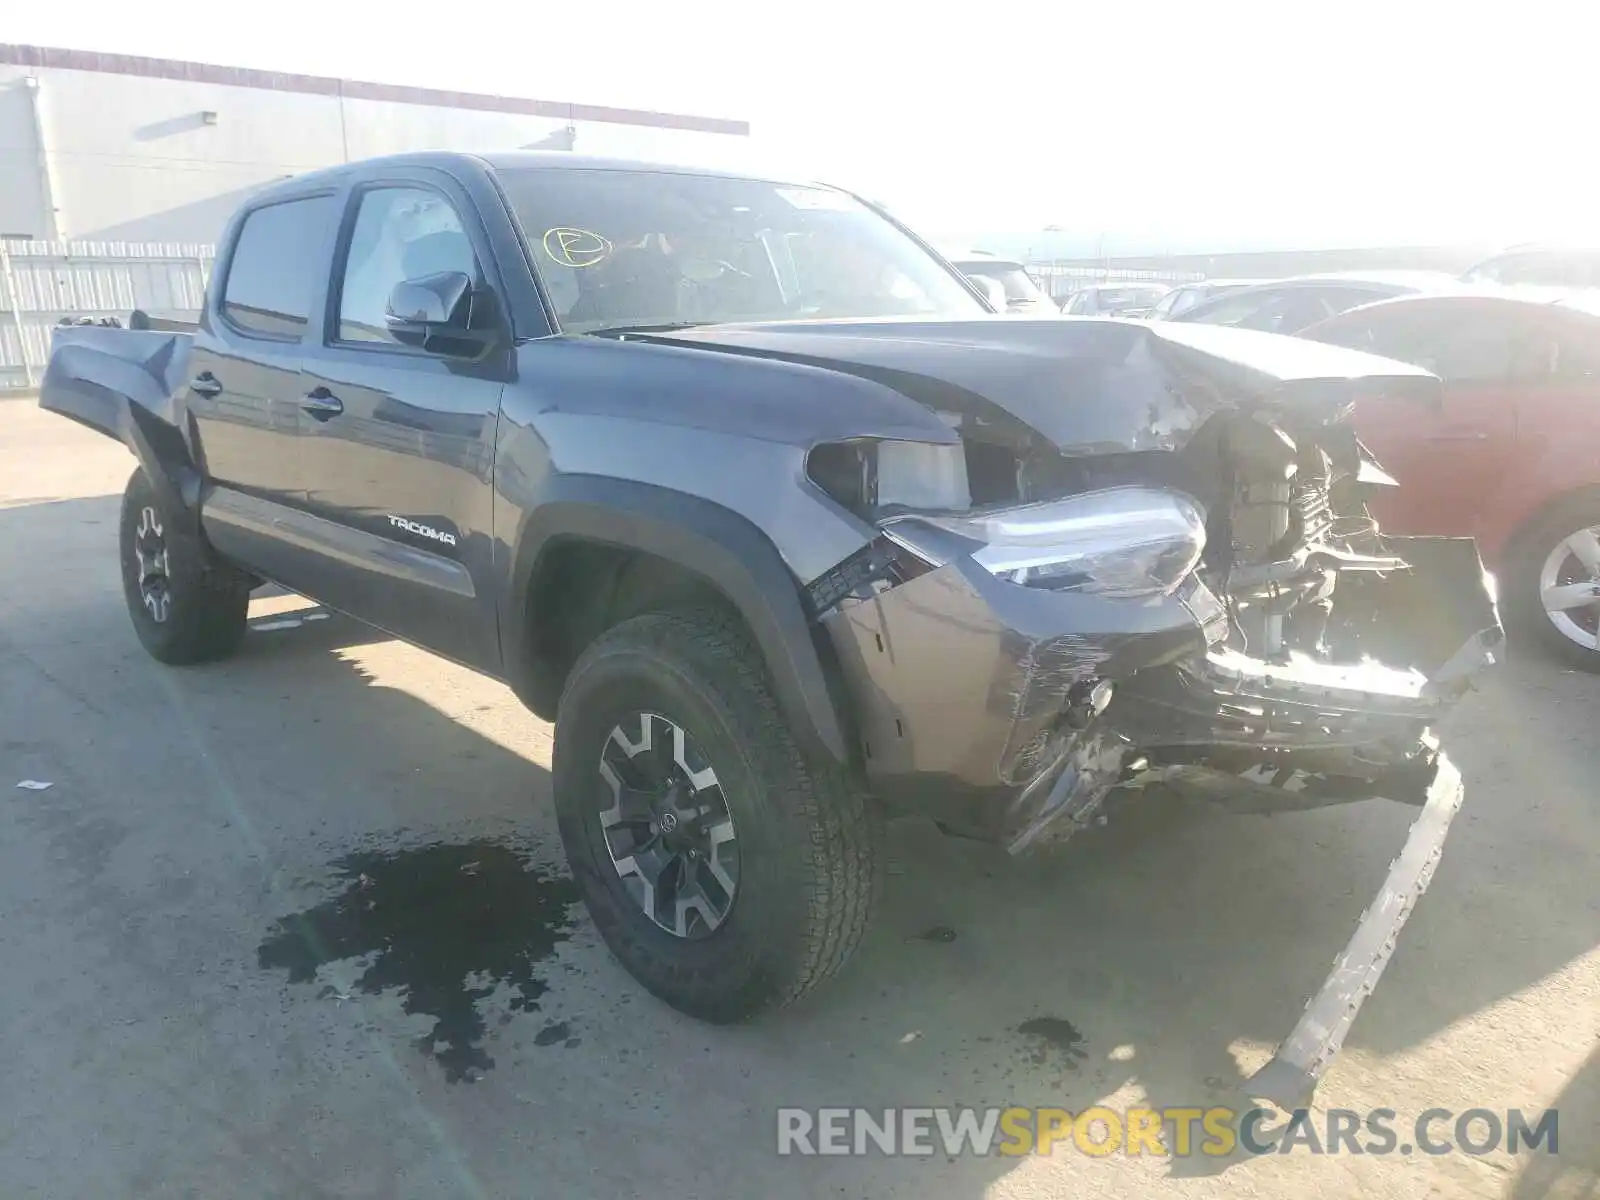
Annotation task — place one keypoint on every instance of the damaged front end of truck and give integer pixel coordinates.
(1166, 577)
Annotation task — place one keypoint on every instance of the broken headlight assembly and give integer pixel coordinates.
(1122, 542)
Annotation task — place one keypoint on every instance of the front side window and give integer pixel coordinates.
(623, 248)
(400, 233)
(276, 265)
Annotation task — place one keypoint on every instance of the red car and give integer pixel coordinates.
(1512, 457)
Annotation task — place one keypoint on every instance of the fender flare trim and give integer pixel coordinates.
(715, 543)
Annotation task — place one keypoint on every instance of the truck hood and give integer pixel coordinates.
(1087, 385)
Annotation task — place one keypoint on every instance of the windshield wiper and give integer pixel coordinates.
(665, 327)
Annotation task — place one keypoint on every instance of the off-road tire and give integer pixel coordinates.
(1519, 586)
(809, 843)
(207, 600)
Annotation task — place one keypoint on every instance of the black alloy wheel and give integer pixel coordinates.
(667, 826)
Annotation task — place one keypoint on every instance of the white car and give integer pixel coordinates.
(1115, 299)
(1006, 282)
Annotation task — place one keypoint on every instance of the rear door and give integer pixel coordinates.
(244, 388)
(399, 441)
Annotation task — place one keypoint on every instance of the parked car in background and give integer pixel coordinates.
(1542, 265)
(1511, 456)
(1186, 296)
(1289, 305)
(1114, 299)
(1006, 281)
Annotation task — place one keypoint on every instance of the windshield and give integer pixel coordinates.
(624, 248)
(1018, 284)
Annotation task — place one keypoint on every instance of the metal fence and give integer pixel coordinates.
(42, 282)
(1063, 278)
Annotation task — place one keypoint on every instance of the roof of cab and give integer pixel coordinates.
(506, 160)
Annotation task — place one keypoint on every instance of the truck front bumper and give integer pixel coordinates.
(983, 705)
(1292, 1074)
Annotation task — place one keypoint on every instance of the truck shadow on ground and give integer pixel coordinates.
(411, 856)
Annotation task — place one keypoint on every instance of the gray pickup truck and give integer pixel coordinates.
(756, 497)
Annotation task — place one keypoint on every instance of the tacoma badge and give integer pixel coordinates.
(427, 531)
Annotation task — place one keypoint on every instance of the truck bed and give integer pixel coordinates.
(105, 377)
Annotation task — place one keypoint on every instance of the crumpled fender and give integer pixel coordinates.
(125, 384)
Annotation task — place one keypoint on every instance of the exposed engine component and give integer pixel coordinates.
(1273, 544)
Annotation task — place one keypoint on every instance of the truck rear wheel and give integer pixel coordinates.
(186, 607)
(728, 872)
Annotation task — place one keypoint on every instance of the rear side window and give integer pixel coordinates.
(1256, 310)
(1481, 350)
(1393, 332)
(1547, 268)
(1331, 302)
(1177, 301)
(1458, 346)
(1576, 355)
(277, 263)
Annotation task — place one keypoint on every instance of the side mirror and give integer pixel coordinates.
(431, 304)
(445, 314)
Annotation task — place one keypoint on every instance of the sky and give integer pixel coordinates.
(1144, 127)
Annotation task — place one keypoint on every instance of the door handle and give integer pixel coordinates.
(206, 384)
(321, 403)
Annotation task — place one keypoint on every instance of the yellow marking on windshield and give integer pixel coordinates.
(575, 247)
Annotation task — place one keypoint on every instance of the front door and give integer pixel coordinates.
(1449, 458)
(398, 442)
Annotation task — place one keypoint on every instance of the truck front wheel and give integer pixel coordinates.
(727, 871)
(185, 606)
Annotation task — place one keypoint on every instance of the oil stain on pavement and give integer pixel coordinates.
(447, 925)
(1058, 1035)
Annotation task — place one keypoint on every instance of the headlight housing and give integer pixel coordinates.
(1125, 541)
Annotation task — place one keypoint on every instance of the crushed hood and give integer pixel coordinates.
(1087, 385)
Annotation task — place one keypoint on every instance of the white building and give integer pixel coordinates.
(108, 147)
